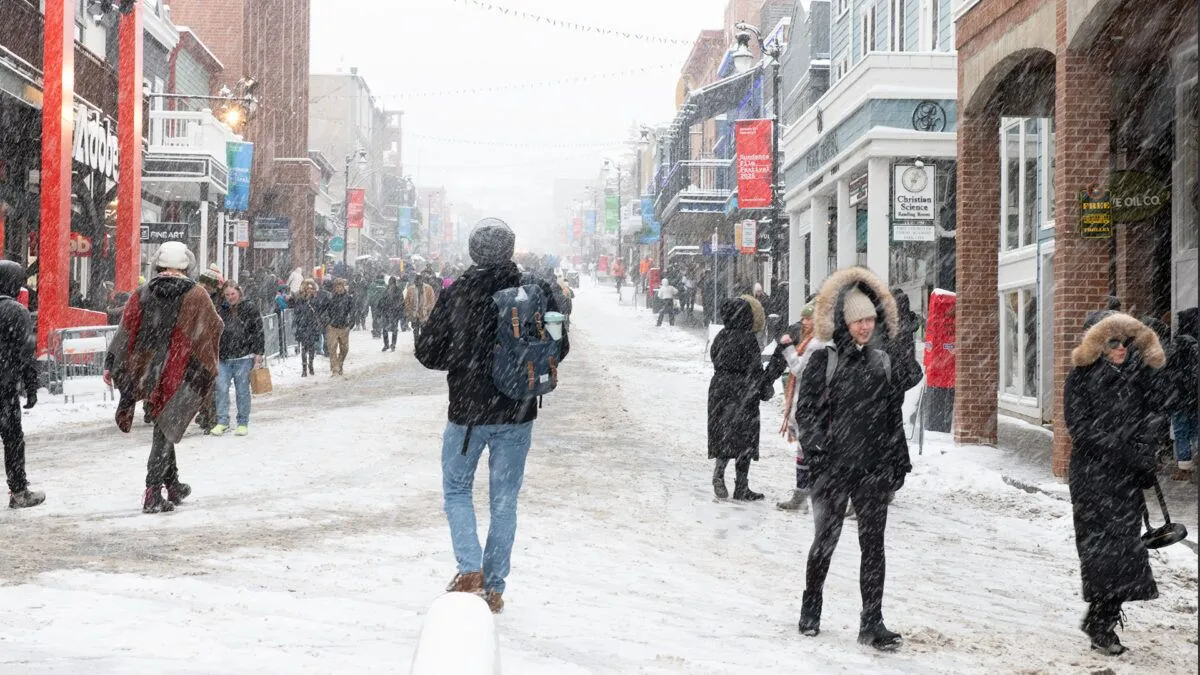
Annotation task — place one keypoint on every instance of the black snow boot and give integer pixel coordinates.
(177, 492)
(23, 499)
(741, 486)
(719, 488)
(875, 634)
(154, 502)
(810, 614)
(1100, 624)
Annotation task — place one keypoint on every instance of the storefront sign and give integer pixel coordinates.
(914, 193)
(272, 232)
(356, 206)
(913, 233)
(241, 233)
(1095, 214)
(95, 142)
(747, 237)
(159, 233)
(754, 163)
(1137, 196)
(239, 158)
(81, 246)
(337, 245)
(612, 213)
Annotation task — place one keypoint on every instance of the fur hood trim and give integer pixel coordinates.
(827, 308)
(1121, 326)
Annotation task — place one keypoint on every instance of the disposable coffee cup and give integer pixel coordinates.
(554, 324)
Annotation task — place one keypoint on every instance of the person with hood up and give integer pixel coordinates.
(792, 353)
(459, 338)
(734, 392)
(1184, 369)
(389, 308)
(165, 351)
(852, 431)
(1109, 398)
(18, 368)
(339, 318)
(309, 324)
(242, 346)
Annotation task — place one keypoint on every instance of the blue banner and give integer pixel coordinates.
(404, 223)
(589, 221)
(239, 157)
(648, 220)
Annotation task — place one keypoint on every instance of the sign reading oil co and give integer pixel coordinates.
(1136, 196)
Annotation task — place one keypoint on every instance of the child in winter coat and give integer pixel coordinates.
(734, 393)
(791, 354)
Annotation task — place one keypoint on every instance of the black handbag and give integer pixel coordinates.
(1170, 533)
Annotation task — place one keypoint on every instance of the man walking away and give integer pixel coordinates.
(852, 431)
(165, 352)
(459, 338)
(18, 367)
(666, 298)
(418, 303)
(339, 316)
(387, 312)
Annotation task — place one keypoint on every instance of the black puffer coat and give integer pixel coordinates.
(459, 338)
(310, 325)
(1107, 410)
(737, 384)
(18, 363)
(855, 431)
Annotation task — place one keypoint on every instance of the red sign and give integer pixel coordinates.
(356, 206)
(578, 227)
(81, 246)
(754, 163)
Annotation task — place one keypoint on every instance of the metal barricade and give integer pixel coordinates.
(78, 361)
(279, 331)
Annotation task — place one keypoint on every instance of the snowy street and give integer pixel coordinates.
(317, 543)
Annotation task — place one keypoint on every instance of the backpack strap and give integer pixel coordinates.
(516, 323)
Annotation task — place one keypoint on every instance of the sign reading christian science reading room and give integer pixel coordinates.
(914, 192)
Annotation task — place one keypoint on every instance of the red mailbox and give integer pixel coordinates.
(939, 360)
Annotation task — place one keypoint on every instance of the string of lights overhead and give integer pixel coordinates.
(570, 25)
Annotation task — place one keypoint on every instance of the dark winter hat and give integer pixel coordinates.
(492, 242)
(12, 277)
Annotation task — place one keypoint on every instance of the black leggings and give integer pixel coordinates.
(308, 352)
(14, 441)
(829, 499)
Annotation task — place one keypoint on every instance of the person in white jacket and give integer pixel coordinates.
(666, 296)
(792, 352)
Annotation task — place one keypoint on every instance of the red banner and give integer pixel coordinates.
(754, 163)
(355, 207)
(577, 225)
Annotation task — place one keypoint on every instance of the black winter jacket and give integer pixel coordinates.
(459, 338)
(339, 310)
(243, 334)
(18, 363)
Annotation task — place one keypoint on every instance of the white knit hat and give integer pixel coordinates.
(856, 306)
(173, 255)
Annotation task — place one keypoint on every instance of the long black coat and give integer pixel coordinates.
(1107, 410)
(309, 324)
(737, 385)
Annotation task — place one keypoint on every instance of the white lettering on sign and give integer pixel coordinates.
(95, 143)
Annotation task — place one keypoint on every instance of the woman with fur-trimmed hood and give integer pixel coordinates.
(1109, 400)
(734, 393)
(852, 431)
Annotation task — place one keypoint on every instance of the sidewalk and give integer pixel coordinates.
(1026, 451)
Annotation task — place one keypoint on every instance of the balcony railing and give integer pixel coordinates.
(699, 180)
(188, 132)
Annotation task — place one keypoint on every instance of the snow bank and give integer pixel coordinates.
(458, 638)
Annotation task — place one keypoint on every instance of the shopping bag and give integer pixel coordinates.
(260, 381)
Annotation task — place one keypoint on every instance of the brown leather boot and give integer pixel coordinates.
(466, 582)
(495, 601)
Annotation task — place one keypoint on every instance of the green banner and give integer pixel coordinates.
(612, 214)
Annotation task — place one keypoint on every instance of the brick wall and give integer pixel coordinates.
(220, 25)
(1082, 114)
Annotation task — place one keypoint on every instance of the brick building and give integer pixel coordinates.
(268, 40)
(1055, 97)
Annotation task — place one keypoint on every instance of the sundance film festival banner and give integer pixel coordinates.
(754, 163)
(356, 204)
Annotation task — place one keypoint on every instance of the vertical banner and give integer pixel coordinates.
(577, 227)
(404, 225)
(650, 222)
(239, 157)
(612, 214)
(356, 204)
(754, 163)
(589, 221)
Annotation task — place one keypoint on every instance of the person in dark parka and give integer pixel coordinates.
(851, 428)
(1109, 401)
(310, 325)
(737, 386)
(18, 367)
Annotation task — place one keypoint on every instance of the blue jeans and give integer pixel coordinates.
(508, 446)
(237, 370)
(1184, 425)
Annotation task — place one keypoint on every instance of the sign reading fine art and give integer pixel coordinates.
(356, 205)
(914, 193)
(754, 163)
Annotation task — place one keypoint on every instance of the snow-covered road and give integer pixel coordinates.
(316, 544)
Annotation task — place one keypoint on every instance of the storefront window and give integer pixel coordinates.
(1027, 180)
(1010, 362)
(1030, 328)
(1019, 372)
